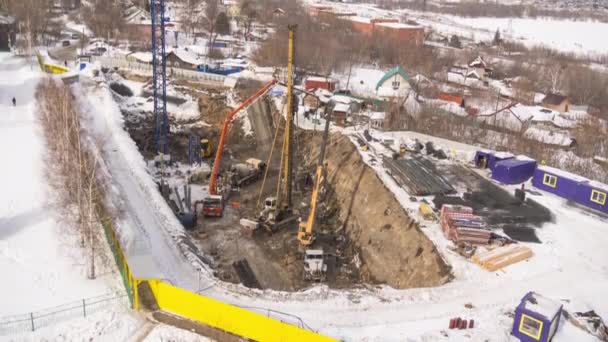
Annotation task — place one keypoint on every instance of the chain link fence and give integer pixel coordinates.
(19, 324)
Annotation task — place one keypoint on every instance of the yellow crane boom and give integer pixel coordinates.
(305, 230)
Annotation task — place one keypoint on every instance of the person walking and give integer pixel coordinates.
(14, 102)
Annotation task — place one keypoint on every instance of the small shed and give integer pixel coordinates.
(320, 83)
(536, 318)
(514, 170)
(586, 192)
(340, 112)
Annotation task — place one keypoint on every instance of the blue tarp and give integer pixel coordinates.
(218, 70)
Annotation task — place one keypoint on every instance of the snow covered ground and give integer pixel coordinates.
(37, 252)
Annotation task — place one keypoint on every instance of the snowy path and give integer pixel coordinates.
(39, 264)
(377, 314)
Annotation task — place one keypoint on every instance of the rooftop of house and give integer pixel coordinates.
(554, 99)
(341, 107)
(398, 70)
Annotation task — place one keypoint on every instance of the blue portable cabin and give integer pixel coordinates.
(572, 187)
(487, 159)
(514, 170)
(536, 318)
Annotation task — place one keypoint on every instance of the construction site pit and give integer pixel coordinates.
(366, 235)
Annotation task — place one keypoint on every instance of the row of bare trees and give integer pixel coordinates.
(73, 169)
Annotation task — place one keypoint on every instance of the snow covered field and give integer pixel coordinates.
(581, 37)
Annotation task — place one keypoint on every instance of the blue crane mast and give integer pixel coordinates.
(159, 74)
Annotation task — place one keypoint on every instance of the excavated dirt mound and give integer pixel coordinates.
(392, 248)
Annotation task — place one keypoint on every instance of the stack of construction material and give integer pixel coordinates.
(502, 256)
(460, 225)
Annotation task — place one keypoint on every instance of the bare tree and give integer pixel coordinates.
(211, 13)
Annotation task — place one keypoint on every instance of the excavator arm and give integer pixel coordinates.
(224, 134)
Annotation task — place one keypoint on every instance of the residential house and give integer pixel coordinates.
(377, 120)
(340, 113)
(184, 59)
(557, 102)
(7, 32)
(278, 12)
(464, 76)
(481, 68)
(395, 83)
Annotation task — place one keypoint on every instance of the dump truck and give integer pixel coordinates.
(245, 173)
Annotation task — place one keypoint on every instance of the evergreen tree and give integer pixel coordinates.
(455, 42)
(222, 24)
(497, 38)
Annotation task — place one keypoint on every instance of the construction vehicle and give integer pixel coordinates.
(213, 205)
(305, 230)
(246, 173)
(220, 146)
(315, 267)
(206, 147)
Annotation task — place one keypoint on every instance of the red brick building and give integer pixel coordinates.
(389, 27)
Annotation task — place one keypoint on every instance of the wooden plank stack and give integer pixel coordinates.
(460, 225)
(500, 257)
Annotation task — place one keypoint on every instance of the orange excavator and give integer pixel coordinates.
(215, 202)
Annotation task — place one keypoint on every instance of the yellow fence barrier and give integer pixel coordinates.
(229, 318)
(50, 68)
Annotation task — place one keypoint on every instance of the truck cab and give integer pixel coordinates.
(213, 205)
(315, 268)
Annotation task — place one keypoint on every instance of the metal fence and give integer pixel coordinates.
(19, 324)
(117, 62)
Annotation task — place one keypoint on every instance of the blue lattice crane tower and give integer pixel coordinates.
(159, 75)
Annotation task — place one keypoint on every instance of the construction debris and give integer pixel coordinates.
(500, 257)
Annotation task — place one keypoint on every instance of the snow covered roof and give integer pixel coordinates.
(397, 25)
(377, 115)
(145, 57)
(548, 137)
(534, 113)
(478, 62)
(344, 99)
(342, 107)
(360, 19)
(186, 56)
(541, 305)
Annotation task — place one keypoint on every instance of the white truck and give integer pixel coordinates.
(315, 268)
